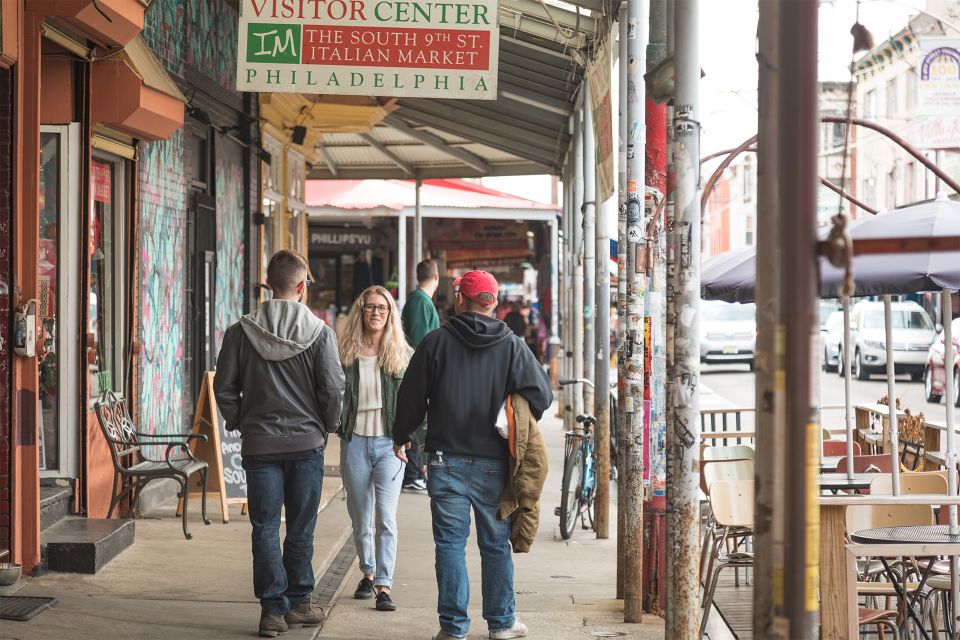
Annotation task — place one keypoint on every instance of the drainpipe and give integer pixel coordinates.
(770, 425)
(684, 453)
(632, 473)
(589, 249)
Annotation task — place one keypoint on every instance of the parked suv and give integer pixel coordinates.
(913, 332)
(831, 337)
(933, 377)
(728, 332)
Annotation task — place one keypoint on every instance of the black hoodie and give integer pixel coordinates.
(458, 377)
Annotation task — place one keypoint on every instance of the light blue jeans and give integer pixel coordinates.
(457, 486)
(372, 476)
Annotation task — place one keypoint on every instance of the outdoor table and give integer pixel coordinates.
(907, 536)
(841, 482)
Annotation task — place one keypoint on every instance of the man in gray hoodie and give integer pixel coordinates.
(280, 384)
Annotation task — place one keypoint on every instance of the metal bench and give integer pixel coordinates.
(131, 462)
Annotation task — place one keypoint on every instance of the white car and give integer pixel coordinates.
(728, 332)
(831, 339)
(913, 333)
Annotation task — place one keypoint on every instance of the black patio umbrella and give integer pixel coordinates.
(732, 276)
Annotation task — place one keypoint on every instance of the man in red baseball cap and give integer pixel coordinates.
(458, 378)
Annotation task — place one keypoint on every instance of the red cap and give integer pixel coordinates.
(480, 287)
(456, 282)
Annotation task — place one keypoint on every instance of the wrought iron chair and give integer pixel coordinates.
(131, 462)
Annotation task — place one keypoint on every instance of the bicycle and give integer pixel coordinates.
(579, 474)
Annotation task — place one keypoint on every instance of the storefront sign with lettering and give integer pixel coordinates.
(407, 48)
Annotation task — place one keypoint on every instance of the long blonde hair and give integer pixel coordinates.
(394, 351)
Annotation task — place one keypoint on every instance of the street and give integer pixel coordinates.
(732, 386)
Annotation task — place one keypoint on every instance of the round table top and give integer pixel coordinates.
(919, 534)
(841, 481)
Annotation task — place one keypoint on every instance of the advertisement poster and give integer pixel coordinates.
(938, 89)
(370, 47)
(598, 75)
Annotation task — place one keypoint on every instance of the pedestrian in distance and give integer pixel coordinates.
(420, 318)
(459, 377)
(280, 384)
(374, 353)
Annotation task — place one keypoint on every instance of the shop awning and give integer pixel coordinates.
(439, 198)
(132, 93)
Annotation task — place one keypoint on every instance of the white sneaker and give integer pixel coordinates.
(443, 635)
(518, 630)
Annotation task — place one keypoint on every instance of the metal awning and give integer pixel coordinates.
(525, 131)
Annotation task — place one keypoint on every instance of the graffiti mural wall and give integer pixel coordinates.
(210, 55)
(230, 240)
(162, 233)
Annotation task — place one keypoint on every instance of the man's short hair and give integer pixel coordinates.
(427, 270)
(286, 270)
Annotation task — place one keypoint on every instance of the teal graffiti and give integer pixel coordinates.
(230, 244)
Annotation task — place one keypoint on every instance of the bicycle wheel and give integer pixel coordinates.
(570, 492)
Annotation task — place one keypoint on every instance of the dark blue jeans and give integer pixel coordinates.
(458, 485)
(284, 580)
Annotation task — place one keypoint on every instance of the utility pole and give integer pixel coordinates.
(654, 553)
(770, 460)
(577, 271)
(683, 526)
(632, 473)
(797, 151)
(622, 432)
(589, 250)
(417, 225)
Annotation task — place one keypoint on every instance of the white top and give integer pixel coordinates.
(369, 399)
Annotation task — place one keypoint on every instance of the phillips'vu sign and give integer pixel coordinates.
(414, 48)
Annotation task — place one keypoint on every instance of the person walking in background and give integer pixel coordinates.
(420, 318)
(515, 320)
(374, 354)
(280, 384)
(459, 377)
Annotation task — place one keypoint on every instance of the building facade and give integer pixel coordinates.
(129, 183)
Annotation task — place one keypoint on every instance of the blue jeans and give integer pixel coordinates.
(284, 580)
(456, 484)
(372, 476)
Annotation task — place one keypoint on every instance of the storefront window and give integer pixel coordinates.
(105, 314)
(269, 239)
(51, 199)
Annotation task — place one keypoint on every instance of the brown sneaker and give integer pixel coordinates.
(305, 614)
(272, 624)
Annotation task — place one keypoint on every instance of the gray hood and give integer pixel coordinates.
(281, 329)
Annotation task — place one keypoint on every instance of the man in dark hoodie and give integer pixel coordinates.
(459, 378)
(280, 384)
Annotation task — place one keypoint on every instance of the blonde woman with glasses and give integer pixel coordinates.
(374, 353)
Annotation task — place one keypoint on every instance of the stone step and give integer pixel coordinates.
(56, 503)
(84, 545)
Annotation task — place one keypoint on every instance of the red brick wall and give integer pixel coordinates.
(6, 199)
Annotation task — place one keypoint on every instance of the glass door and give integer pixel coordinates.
(58, 311)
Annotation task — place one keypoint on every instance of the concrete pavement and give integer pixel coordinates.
(168, 587)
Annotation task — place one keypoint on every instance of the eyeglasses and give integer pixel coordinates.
(381, 309)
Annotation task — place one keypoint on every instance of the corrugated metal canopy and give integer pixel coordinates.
(525, 131)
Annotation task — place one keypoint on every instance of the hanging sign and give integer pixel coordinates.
(598, 75)
(938, 92)
(405, 48)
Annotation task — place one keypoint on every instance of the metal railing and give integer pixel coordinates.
(726, 426)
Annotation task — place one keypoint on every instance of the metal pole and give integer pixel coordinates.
(401, 259)
(950, 393)
(655, 177)
(891, 396)
(554, 294)
(569, 317)
(621, 295)
(632, 473)
(418, 226)
(602, 379)
(770, 426)
(847, 386)
(796, 328)
(577, 272)
(589, 250)
(683, 584)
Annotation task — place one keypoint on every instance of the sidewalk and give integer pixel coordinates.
(565, 589)
(167, 587)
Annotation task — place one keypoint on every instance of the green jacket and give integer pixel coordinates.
(419, 317)
(389, 385)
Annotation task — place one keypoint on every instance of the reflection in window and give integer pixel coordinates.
(103, 311)
(51, 201)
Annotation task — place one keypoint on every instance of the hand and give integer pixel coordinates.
(401, 451)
